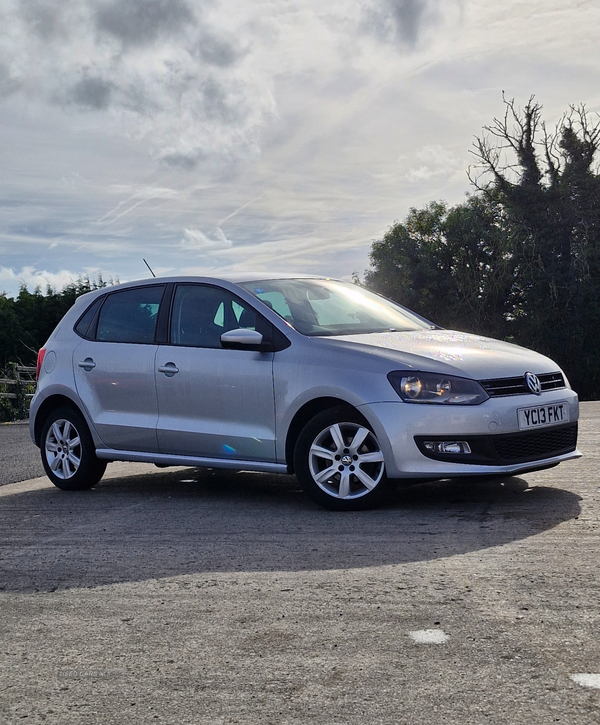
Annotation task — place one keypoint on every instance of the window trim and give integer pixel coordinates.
(93, 323)
(163, 322)
(92, 329)
(271, 340)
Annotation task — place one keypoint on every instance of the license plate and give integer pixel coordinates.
(542, 415)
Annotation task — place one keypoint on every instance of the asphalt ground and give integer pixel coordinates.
(19, 457)
(195, 596)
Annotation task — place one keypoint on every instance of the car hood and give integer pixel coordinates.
(451, 352)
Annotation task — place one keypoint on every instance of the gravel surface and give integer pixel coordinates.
(19, 457)
(187, 596)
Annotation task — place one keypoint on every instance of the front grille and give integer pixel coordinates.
(500, 387)
(504, 450)
(533, 445)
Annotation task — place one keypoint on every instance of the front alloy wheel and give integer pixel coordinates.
(339, 461)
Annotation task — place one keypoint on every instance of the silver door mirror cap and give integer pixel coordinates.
(242, 338)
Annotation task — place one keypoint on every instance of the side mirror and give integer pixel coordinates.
(243, 339)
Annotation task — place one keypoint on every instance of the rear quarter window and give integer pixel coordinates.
(84, 325)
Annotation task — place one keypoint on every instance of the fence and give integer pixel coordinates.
(17, 386)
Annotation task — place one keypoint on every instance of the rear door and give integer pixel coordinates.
(213, 402)
(115, 367)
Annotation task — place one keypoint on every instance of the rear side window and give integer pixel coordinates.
(130, 315)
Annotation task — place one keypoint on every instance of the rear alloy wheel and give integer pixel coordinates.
(68, 453)
(339, 462)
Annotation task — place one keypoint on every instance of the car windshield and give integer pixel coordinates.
(318, 307)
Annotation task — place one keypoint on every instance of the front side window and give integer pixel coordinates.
(130, 315)
(201, 314)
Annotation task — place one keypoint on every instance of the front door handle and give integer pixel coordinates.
(169, 369)
(87, 364)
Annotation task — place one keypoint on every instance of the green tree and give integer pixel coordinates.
(27, 321)
(548, 189)
(452, 265)
(521, 257)
(9, 330)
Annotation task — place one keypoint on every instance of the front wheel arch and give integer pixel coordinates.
(339, 461)
(305, 414)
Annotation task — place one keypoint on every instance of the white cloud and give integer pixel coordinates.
(435, 160)
(32, 278)
(161, 71)
(197, 240)
(408, 22)
(134, 198)
(278, 124)
(197, 80)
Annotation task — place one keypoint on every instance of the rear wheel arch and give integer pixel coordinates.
(68, 452)
(47, 408)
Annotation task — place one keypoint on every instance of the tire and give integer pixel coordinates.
(68, 453)
(339, 462)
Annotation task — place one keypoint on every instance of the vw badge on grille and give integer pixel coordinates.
(533, 383)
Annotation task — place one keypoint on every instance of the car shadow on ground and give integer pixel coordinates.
(201, 521)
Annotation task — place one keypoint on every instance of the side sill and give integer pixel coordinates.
(111, 454)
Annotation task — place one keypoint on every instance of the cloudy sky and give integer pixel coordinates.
(221, 135)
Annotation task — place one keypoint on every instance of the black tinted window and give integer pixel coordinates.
(130, 315)
(82, 327)
(201, 314)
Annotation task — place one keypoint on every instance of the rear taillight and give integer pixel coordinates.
(40, 360)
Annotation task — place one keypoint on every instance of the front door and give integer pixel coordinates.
(213, 402)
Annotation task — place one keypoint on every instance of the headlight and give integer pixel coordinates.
(414, 387)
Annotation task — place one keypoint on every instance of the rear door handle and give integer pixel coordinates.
(87, 364)
(169, 369)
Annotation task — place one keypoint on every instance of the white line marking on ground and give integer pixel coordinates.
(587, 680)
(429, 636)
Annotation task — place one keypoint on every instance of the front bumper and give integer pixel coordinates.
(492, 430)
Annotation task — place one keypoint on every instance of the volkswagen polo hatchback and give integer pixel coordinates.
(324, 379)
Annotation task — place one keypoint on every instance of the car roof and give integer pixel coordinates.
(256, 276)
(233, 278)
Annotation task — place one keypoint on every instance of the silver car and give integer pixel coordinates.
(309, 375)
